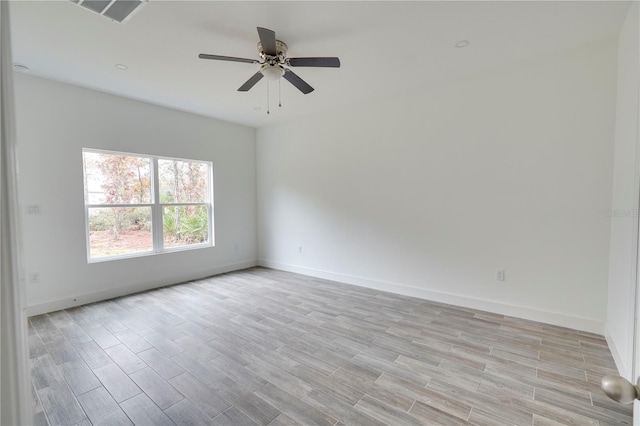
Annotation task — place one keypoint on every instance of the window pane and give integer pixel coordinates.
(116, 179)
(183, 181)
(185, 225)
(115, 231)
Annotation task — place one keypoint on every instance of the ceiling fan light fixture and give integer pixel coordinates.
(272, 72)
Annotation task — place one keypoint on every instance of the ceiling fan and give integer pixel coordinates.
(274, 62)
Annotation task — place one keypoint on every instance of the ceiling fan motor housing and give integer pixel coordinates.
(272, 67)
(281, 52)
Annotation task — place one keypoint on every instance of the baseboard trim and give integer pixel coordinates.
(524, 312)
(621, 365)
(83, 299)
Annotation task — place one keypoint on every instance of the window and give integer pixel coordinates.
(141, 204)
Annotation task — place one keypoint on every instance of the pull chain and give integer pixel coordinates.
(279, 97)
(268, 98)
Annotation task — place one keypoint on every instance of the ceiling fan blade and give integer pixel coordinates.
(302, 85)
(315, 62)
(251, 82)
(227, 58)
(268, 40)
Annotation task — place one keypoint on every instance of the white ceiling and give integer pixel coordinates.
(384, 47)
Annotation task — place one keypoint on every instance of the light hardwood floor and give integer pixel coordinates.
(273, 348)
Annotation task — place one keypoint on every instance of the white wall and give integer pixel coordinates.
(624, 227)
(428, 193)
(55, 121)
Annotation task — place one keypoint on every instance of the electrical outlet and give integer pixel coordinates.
(299, 249)
(33, 209)
(500, 275)
(236, 247)
(34, 277)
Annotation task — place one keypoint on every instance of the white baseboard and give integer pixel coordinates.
(83, 299)
(524, 312)
(624, 369)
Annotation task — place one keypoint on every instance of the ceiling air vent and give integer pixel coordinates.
(116, 10)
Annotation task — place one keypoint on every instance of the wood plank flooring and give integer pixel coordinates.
(265, 347)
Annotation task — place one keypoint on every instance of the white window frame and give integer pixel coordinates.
(157, 227)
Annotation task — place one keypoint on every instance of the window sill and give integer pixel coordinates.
(151, 253)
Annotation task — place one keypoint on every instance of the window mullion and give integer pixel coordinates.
(87, 230)
(210, 196)
(125, 206)
(156, 210)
